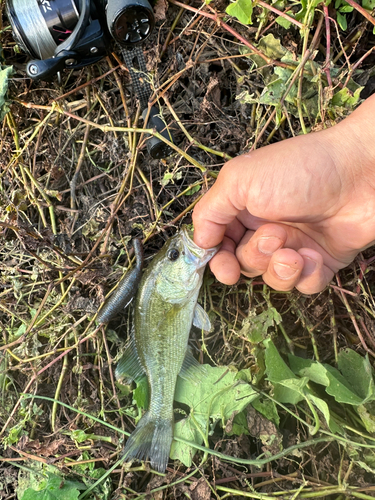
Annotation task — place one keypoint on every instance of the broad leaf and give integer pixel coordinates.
(276, 368)
(217, 398)
(338, 386)
(242, 10)
(271, 47)
(287, 387)
(358, 372)
(323, 407)
(256, 327)
(267, 408)
(283, 22)
(314, 370)
(344, 98)
(367, 414)
(54, 487)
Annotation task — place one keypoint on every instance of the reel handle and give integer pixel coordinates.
(46, 68)
(155, 146)
(130, 22)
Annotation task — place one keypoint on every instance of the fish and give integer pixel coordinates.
(165, 309)
(125, 290)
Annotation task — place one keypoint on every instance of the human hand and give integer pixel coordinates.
(294, 212)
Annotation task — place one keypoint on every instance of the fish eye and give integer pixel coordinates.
(173, 254)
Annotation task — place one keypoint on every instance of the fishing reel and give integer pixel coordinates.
(75, 33)
(59, 34)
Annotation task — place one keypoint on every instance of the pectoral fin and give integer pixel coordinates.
(129, 365)
(201, 319)
(191, 370)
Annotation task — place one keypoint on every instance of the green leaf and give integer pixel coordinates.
(314, 370)
(276, 368)
(367, 414)
(324, 408)
(358, 373)
(192, 190)
(346, 9)
(239, 425)
(267, 408)
(368, 4)
(290, 390)
(346, 387)
(15, 433)
(189, 430)
(216, 398)
(103, 490)
(256, 327)
(168, 176)
(340, 389)
(5, 74)
(283, 22)
(277, 79)
(54, 487)
(272, 47)
(287, 387)
(80, 436)
(242, 10)
(341, 21)
(141, 394)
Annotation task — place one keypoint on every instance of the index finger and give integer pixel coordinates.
(218, 208)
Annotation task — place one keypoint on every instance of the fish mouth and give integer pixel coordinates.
(193, 253)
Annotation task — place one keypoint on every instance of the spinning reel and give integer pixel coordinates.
(60, 34)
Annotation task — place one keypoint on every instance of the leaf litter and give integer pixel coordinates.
(283, 370)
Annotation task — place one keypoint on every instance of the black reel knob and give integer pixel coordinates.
(130, 22)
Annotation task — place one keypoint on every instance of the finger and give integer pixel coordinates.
(219, 207)
(235, 230)
(284, 269)
(224, 264)
(255, 250)
(254, 263)
(315, 275)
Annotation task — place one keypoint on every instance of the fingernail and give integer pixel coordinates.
(283, 271)
(269, 244)
(308, 266)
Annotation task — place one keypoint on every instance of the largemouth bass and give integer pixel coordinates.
(165, 309)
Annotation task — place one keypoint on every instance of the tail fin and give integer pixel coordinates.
(152, 438)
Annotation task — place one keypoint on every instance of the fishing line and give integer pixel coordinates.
(34, 27)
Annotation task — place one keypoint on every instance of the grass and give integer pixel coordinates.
(77, 185)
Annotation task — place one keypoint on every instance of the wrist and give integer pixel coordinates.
(353, 143)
